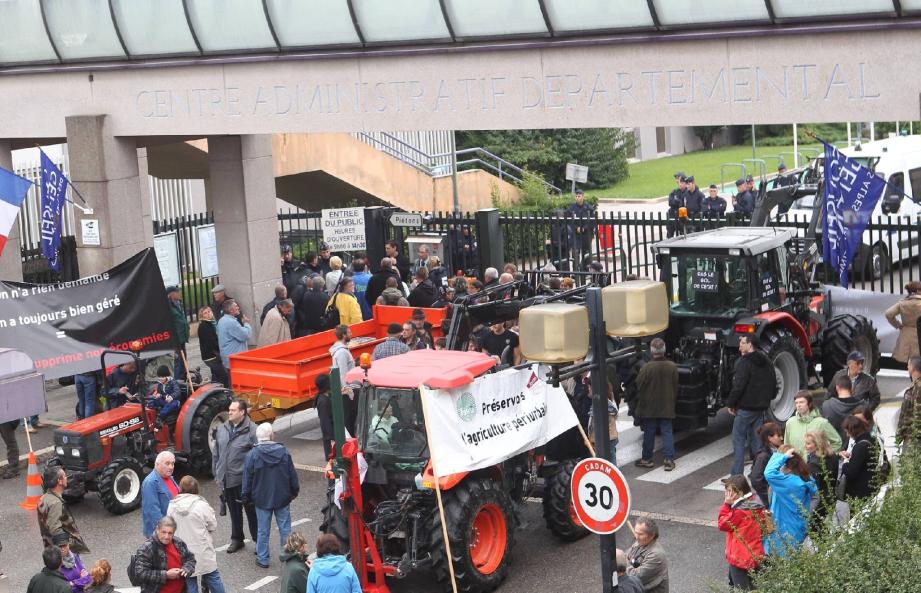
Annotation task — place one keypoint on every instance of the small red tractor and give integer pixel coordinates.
(390, 519)
(111, 452)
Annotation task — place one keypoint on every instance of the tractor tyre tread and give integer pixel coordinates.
(775, 341)
(557, 502)
(460, 505)
(106, 483)
(200, 453)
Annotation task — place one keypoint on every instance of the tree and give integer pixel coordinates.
(546, 152)
(707, 134)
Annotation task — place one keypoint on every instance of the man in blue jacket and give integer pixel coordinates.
(270, 483)
(158, 489)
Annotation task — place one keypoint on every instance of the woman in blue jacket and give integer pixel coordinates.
(331, 572)
(792, 488)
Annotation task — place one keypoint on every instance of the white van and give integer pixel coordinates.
(898, 160)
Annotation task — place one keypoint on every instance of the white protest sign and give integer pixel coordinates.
(492, 419)
(344, 228)
(207, 252)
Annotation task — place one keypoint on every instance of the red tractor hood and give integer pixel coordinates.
(111, 421)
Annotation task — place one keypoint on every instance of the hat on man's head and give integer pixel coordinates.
(749, 178)
(857, 356)
(60, 538)
(781, 167)
(286, 248)
(218, 288)
(679, 175)
(689, 179)
(579, 192)
(324, 246)
(172, 289)
(163, 371)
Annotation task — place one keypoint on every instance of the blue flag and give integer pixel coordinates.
(54, 190)
(851, 191)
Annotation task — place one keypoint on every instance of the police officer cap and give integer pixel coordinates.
(579, 192)
(286, 248)
(740, 181)
(172, 289)
(749, 178)
(781, 167)
(679, 175)
(689, 179)
(713, 186)
(324, 246)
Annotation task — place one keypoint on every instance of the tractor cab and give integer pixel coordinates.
(723, 274)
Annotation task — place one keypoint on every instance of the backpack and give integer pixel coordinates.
(133, 577)
(330, 318)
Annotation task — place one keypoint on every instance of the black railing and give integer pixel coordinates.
(195, 289)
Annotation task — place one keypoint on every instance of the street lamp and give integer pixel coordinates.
(559, 333)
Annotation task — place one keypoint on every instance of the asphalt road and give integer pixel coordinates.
(684, 502)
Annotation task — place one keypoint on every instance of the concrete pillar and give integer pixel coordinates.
(241, 187)
(105, 170)
(11, 259)
(146, 201)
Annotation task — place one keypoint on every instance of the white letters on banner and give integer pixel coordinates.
(492, 419)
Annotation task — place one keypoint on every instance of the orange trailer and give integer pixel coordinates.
(279, 379)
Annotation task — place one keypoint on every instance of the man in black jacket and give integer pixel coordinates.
(311, 307)
(50, 579)
(392, 248)
(325, 413)
(153, 564)
(754, 385)
(210, 350)
(424, 294)
(378, 281)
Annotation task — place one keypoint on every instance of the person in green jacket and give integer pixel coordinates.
(294, 564)
(808, 419)
(182, 330)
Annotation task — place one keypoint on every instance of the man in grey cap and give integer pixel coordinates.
(863, 386)
(220, 295)
(676, 200)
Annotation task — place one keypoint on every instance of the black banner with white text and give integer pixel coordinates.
(64, 327)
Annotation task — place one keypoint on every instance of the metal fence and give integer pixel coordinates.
(195, 290)
(35, 268)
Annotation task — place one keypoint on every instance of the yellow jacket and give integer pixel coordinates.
(347, 304)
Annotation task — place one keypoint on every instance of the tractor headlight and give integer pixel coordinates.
(75, 452)
(59, 450)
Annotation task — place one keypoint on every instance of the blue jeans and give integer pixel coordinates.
(212, 581)
(649, 437)
(86, 394)
(264, 517)
(744, 434)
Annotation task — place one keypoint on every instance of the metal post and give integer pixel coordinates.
(454, 171)
(335, 386)
(573, 190)
(872, 131)
(753, 142)
(598, 343)
(849, 134)
(796, 148)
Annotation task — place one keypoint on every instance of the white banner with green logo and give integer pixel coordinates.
(492, 419)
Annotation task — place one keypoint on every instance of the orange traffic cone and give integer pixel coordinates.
(33, 485)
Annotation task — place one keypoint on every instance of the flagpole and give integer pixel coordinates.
(72, 186)
(895, 188)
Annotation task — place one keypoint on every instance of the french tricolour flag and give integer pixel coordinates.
(13, 190)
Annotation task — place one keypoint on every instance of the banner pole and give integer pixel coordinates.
(588, 443)
(441, 507)
(188, 373)
(28, 436)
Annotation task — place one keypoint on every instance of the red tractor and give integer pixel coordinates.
(390, 519)
(111, 452)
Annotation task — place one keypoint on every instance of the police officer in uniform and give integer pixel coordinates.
(676, 200)
(783, 180)
(713, 207)
(744, 200)
(583, 225)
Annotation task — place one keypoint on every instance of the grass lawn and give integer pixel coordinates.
(653, 179)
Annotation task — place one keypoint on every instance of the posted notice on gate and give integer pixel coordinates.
(344, 228)
(492, 419)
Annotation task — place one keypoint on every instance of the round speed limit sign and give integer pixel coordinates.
(600, 497)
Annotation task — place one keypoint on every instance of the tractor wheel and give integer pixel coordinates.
(335, 521)
(120, 485)
(211, 413)
(559, 515)
(844, 334)
(481, 528)
(789, 368)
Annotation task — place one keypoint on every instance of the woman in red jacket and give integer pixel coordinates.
(743, 518)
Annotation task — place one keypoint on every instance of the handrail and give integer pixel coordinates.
(426, 163)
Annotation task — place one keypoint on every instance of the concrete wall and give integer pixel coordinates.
(474, 191)
(738, 81)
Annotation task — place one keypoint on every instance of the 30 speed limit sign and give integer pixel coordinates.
(600, 497)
